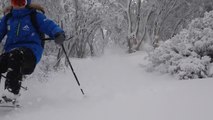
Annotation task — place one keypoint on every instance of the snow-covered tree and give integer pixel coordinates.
(165, 18)
(85, 20)
(188, 54)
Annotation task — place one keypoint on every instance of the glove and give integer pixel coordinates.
(59, 38)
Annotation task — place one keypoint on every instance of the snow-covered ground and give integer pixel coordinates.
(117, 87)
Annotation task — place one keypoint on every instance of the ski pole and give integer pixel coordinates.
(76, 78)
(47, 39)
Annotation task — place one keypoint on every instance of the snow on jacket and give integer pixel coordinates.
(21, 33)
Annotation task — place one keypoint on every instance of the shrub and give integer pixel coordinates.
(189, 54)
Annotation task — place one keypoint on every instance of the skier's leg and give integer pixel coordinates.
(12, 87)
(13, 82)
(29, 61)
(3, 63)
(14, 76)
(21, 61)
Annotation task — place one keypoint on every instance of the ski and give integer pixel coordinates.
(8, 103)
(10, 106)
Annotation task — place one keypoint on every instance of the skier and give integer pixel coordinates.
(23, 47)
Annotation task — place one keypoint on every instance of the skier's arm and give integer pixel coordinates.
(47, 26)
(3, 28)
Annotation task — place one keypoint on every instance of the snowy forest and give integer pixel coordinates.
(133, 60)
(134, 25)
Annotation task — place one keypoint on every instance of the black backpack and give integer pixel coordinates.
(34, 23)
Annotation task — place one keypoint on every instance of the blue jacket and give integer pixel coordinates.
(21, 33)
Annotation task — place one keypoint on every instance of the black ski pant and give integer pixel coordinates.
(16, 63)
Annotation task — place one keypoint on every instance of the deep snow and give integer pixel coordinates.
(117, 87)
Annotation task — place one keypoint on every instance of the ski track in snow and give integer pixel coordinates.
(117, 87)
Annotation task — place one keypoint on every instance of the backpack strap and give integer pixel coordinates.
(8, 13)
(35, 25)
(7, 17)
